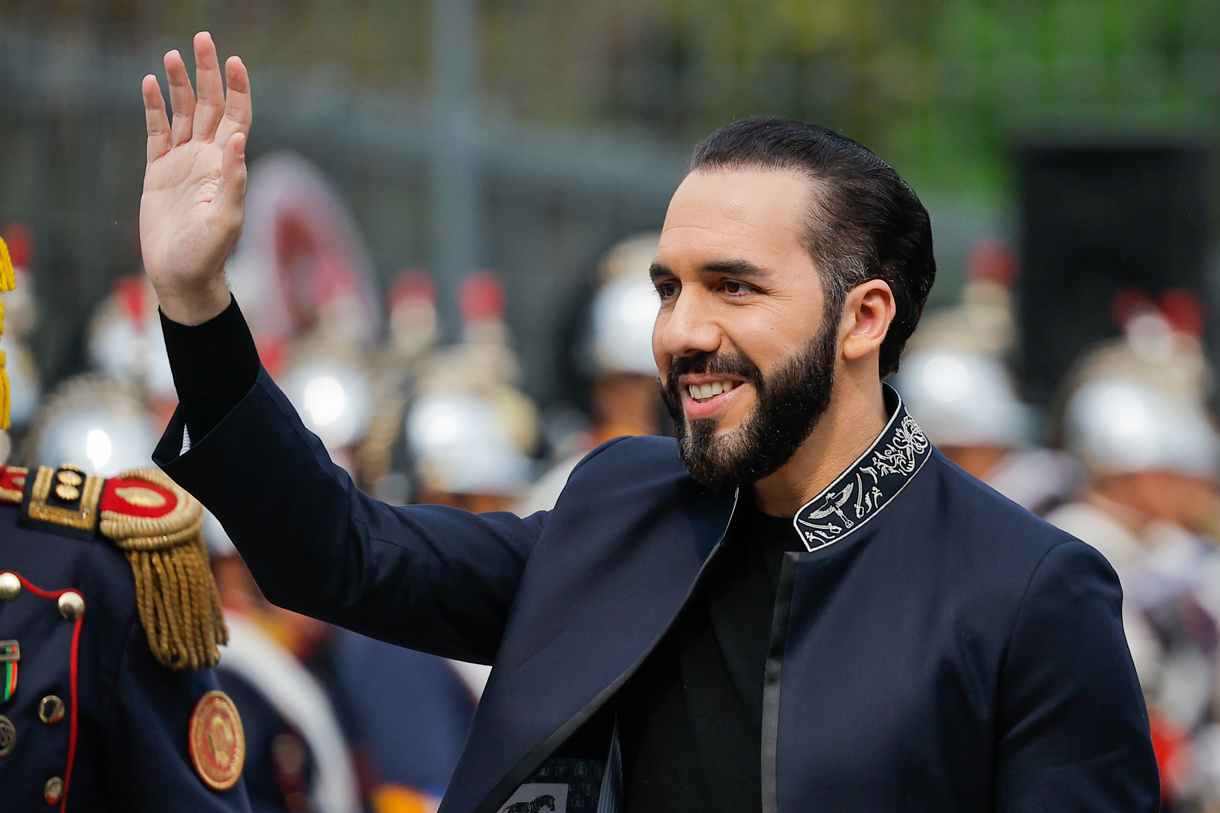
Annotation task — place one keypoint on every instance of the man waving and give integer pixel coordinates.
(798, 605)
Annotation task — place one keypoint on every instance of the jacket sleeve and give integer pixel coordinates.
(1073, 728)
(146, 735)
(427, 577)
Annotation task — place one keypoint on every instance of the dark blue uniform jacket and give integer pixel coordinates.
(935, 647)
(133, 714)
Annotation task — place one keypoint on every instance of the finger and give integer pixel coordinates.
(154, 118)
(211, 92)
(181, 97)
(238, 110)
(231, 191)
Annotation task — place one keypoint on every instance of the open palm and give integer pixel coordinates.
(195, 181)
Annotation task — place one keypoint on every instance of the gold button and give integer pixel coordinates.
(53, 790)
(10, 585)
(68, 493)
(71, 605)
(8, 736)
(69, 478)
(51, 709)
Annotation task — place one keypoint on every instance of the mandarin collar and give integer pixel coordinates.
(869, 484)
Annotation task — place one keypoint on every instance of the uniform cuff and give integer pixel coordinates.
(214, 365)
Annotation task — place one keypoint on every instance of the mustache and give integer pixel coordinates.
(715, 363)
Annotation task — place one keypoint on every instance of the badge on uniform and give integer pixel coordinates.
(217, 741)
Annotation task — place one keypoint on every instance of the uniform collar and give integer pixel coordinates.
(869, 484)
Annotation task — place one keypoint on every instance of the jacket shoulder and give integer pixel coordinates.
(629, 454)
(985, 533)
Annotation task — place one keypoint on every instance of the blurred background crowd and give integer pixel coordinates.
(451, 211)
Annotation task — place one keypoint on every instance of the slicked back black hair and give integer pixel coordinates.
(865, 222)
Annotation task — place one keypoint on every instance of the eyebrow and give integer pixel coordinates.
(737, 268)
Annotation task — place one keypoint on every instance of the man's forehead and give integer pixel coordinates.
(748, 210)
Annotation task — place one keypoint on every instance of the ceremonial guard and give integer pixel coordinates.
(614, 351)
(956, 382)
(108, 623)
(1133, 414)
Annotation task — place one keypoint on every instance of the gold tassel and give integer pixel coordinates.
(4, 392)
(8, 277)
(175, 592)
(8, 281)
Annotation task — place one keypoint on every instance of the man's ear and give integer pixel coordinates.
(867, 314)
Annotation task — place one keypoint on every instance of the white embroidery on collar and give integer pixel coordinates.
(868, 484)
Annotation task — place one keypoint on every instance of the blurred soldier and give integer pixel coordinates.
(617, 349)
(125, 343)
(298, 755)
(413, 334)
(467, 449)
(466, 453)
(956, 384)
(616, 352)
(333, 390)
(1145, 449)
(94, 420)
(110, 620)
(965, 402)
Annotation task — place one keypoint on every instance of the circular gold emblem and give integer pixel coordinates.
(70, 478)
(218, 744)
(8, 736)
(10, 585)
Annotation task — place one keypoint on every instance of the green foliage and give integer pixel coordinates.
(940, 87)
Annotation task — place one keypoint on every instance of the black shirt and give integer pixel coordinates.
(690, 720)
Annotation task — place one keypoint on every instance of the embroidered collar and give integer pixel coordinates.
(869, 484)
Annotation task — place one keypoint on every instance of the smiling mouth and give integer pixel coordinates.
(702, 393)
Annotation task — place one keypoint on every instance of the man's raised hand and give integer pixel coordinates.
(195, 182)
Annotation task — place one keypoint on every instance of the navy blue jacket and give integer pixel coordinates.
(132, 714)
(935, 648)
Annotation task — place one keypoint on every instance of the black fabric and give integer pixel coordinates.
(214, 365)
(690, 720)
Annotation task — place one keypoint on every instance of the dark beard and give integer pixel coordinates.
(790, 403)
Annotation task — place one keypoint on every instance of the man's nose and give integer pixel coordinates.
(688, 329)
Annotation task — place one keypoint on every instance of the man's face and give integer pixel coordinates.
(746, 361)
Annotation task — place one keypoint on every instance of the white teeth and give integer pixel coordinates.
(703, 391)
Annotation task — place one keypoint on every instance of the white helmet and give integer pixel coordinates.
(92, 422)
(619, 339)
(963, 398)
(334, 399)
(1116, 426)
(125, 340)
(620, 335)
(462, 444)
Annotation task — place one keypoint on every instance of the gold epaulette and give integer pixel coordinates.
(159, 528)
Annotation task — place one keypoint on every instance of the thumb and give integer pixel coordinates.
(231, 191)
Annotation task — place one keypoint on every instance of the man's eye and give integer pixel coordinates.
(732, 286)
(667, 290)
